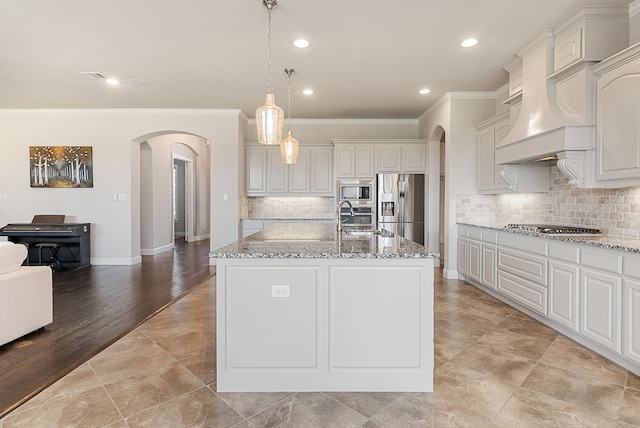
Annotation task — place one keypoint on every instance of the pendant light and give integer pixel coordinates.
(269, 117)
(289, 146)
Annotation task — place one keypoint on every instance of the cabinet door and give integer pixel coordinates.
(277, 173)
(486, 164)
(618, 136)
(345, 161)
(365, 167)
(300, 173)
(322, 182)
(489, 265)
(599, 307)
(463, 255)
(256, 169)
(563, 293)
(631, 320)
(414, 158)
(475, 260)
(389, 159)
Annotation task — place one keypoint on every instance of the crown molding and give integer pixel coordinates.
(124, 111)
(348, 121)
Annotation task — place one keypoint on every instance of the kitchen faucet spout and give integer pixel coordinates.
(340, 221)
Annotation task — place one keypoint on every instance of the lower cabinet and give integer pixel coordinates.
(591, 294)
(463, 255)
(599, 304)
(489, 265)
(475, 257)
(563, 293)
(631, 320)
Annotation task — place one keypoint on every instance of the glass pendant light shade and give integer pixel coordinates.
(269, 121)
(289, 149)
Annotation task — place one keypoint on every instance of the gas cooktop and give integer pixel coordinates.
(552, 229)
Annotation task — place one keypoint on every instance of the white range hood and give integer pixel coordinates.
(549, 125)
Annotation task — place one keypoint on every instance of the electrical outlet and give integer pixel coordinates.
(280, 291)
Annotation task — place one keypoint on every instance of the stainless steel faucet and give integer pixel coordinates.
(340, 221)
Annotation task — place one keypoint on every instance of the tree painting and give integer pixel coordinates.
(61, 166)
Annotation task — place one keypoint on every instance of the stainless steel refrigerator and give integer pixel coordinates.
(400, 204)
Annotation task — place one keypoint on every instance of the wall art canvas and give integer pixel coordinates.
(61, 166)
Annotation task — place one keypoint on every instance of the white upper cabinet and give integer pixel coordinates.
(493, 178)
(488, 134)
(618, 115)
(322, 182)
(312, 174)
(256, 169)
(354, 161)
(402, 157)
(595, 33)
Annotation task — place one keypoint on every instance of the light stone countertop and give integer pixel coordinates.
(309, 240)
(621, 243)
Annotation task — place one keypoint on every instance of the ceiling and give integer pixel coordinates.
(367, 58)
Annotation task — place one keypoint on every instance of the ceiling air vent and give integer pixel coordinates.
(92, 75)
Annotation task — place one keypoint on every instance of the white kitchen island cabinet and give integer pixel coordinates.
(303, 308)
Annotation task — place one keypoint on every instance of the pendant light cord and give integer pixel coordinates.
(289, 72)
(269, 90)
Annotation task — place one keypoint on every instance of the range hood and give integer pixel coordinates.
(550, 126)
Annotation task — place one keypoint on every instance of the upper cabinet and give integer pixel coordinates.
(411, 158)
(312, 174)
(494, 178)
(365, 158)
(617, 118)
(595, 33)
(354, 160)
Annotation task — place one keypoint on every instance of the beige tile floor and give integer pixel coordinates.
(494, 368)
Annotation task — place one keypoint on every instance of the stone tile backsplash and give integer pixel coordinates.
(614, 211)
(291, 207)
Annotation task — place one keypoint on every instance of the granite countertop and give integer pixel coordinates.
(613, 242)
(296, 240)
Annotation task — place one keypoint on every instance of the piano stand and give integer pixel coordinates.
(53, 248)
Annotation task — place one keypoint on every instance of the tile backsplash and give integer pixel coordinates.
(614, 211)
(291, 207)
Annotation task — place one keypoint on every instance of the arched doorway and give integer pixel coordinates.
(153, 219)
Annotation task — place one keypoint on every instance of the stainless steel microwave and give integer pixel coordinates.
(355, 190)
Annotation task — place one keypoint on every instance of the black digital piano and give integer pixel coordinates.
(71, 239)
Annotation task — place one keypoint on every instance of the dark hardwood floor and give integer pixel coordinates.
(92, 308)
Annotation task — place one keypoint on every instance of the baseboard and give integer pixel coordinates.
(157, 250)
(116, 261)
(199, 238)
(450, 274)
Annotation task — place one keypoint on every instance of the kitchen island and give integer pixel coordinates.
(301, 307)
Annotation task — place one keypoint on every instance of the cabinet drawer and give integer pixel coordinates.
(490, 236)
(606, 260)
(631, 266)
(463, 231)
(524, 243)
(475, 233)
(524, 292)
(525, 265)
(564, 252)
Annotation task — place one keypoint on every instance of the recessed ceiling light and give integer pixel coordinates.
(301, 43)
(469, 43)
(308, 91)
(112, 82)
(424, 91)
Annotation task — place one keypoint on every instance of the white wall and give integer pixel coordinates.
(115, 136)
(456, 113)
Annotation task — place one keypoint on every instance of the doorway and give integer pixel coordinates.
(182, 198)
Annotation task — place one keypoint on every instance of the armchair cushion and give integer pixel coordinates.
(11, 256)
